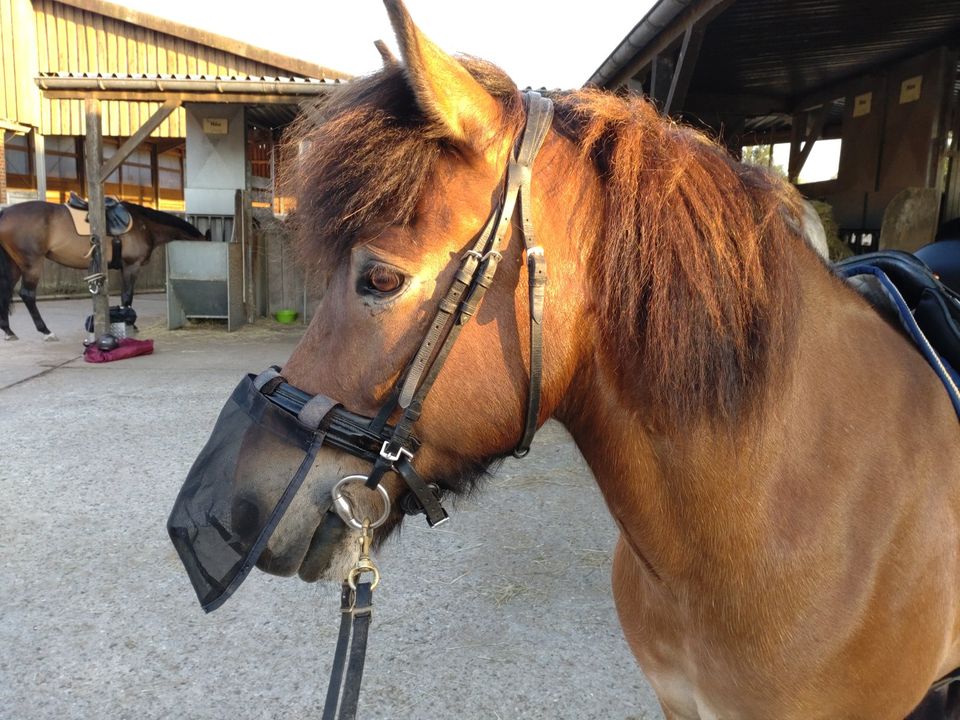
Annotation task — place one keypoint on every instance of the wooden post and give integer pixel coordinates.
(683, 72)
(97, 212)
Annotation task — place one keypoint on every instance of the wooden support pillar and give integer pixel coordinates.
(683, 73)
(800, 133)
(93, 150)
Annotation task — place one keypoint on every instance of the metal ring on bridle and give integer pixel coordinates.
(345, 510)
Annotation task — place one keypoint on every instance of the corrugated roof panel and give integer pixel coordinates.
(76, 40)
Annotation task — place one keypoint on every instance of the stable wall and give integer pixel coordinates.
(215, 166)
(893, 146)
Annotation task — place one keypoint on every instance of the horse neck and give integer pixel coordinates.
(150, 231)
(691, 501)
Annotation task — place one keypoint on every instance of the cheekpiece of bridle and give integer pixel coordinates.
(392, 447)
(218, 536)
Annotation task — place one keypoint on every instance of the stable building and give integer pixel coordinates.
(191, 123)
(881, 79)
(73, 46)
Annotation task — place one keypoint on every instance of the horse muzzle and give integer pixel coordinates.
(236, 496)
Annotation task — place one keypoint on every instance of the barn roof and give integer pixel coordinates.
(773, 55)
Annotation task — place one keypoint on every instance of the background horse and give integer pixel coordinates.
(32, 231)
(782, 465)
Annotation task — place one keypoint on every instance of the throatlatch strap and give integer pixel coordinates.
(537, 271)
(539, 117)
(356, 608)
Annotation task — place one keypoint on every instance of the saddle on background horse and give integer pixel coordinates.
(903, 288)
(119, 220)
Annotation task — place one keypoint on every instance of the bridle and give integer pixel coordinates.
(393, 447)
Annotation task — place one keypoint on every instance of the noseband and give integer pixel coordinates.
(392, 447)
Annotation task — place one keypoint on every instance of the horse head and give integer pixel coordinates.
(402, 173)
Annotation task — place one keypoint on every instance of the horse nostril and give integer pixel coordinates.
(246, 517)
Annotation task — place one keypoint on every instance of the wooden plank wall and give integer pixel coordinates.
(73, 40)
(59, 281)
(19, 97)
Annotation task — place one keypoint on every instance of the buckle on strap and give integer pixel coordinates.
(393, 457)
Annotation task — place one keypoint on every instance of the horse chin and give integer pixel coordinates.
(333, 551)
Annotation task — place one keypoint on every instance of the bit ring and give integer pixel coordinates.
(345, 510)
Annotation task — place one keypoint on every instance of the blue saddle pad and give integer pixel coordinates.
(928, 310)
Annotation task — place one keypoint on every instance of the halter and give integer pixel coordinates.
(393, 447)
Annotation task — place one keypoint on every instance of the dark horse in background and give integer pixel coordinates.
(32, 231)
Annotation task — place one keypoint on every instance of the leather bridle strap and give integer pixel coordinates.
(462, 300)
(539, 117)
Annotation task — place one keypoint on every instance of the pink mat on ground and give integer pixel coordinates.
(128, 347)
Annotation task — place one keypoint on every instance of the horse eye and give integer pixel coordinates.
(381, 280)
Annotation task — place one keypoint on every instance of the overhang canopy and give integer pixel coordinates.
(777, 56)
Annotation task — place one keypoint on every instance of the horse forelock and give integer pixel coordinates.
(692, 273)
(360, 161)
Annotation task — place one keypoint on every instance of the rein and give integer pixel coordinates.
(478, 266)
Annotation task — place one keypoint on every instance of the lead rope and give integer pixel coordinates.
(356, 610)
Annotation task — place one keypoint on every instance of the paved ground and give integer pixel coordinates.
(503, 613)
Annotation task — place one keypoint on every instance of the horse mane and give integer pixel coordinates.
(162, 218)
(692, 277)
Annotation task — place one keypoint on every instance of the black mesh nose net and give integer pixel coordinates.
(238, 489)
(258, 455)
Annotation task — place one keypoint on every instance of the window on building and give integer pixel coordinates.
(62, 161)
(170, 179)
(260, 152)
(132, 180)
(18, 151)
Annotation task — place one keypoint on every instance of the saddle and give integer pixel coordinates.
(904, 289)
(119, 220)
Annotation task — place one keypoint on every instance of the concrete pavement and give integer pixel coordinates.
(504, 612)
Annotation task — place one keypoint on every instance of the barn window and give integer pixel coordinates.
(18, 150)
(62, 160)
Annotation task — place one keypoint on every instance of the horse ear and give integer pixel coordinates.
(388, 58)
(443, 87)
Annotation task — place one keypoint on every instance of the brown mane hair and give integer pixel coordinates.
(692, 277)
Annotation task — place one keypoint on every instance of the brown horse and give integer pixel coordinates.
(32, 231)
(778, 557)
